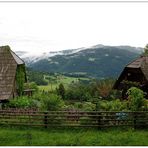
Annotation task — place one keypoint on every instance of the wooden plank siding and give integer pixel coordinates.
(7, 73)
(9, 62)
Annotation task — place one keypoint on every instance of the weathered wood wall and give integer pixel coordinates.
(7, 73)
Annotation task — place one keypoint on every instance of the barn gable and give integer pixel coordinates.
(136, 71)
(17, 59)
(144, 66)
(8, 66)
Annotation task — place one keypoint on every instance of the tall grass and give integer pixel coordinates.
(72, 137)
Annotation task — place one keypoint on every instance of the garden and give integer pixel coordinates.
(74, 116)
(94, 96)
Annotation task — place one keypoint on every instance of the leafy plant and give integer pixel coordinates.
(135, 98)
(20, 78)
(88, 106)
(114, 105)
(61, 90)
(145, 53)
(31, 85)
(52, 102)
(21, 102)
(103, 88)
(78, 92)
(78, 105)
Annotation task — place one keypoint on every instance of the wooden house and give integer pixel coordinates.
(134, 73)
(10, 66)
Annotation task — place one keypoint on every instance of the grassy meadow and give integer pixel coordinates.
(65, 80)
(72, 137)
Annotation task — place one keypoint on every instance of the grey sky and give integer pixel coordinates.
(42, 27)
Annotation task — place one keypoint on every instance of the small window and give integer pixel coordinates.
(129, 74)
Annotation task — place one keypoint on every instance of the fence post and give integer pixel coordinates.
(99, 120)
(135, 118)
(45, 119)
(99, 114)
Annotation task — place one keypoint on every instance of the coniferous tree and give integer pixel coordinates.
(61, 91)
(146, 50)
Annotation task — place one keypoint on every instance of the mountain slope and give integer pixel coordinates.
(102, 61)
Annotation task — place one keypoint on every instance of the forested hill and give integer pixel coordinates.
(105, 61)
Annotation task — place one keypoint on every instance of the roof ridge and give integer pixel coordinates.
(136, 63)
(18, 58)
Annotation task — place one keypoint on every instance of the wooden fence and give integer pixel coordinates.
(74, 118)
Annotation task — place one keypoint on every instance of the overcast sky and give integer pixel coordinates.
(43, 27)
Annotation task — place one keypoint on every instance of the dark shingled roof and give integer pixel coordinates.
(139, 65)
(142, 63)
(136, 63)
(8, 65)
(18, 60)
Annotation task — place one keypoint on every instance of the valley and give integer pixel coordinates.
(97, 61)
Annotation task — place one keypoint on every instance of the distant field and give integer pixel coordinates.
(60, 79)
(72, 137)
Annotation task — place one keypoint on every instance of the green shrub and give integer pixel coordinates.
(114, 94)
(84, 106)
(39, 96)
(78, 105)
(102, 88)
(104, 105)
(135, 98)
(69, 107)
(52, 102)
(78, 92)
(88, 106)
(114, 105)
(21, 102)
(31, 85)
(145, 105)
(61, 91)
(20, 79)
(117, 105)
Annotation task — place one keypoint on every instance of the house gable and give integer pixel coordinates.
(7, 73)
(9, 63)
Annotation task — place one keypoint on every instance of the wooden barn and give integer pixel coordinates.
(12, 74)
(135, 73)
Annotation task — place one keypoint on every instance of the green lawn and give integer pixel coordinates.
(72, 137)
(61, 79)
(49, 87)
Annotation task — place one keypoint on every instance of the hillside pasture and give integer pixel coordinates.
(53, 82)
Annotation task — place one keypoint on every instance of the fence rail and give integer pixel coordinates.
(98, 119)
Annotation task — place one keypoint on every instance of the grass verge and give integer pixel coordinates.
(13, 136)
